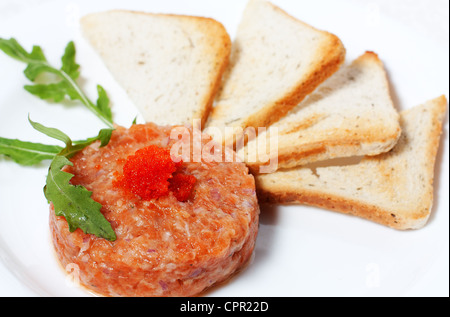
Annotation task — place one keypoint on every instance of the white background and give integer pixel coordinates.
(430, 17)
(300, 251)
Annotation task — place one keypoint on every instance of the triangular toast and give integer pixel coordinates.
(169, 65)
(350, 114)
(394, 189)
(276, 61)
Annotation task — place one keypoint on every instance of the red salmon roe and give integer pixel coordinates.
(149, 173)
(181, 185)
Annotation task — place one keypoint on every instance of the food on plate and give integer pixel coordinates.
(136, 217)
(350, 114)
(394, 189)
(169, 65)
(169, 246)
(276, 61)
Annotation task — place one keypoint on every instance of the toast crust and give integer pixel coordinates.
(273, 190)
(217, 47)
(338, 148)
(345, 206)
(366, 140)
(332, 57)
(329, 57)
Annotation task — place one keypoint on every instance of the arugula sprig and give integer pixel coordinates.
(72, 147)
(75, 202)
(72, 202)
(28, 153)
(31, 153)
(37, 64)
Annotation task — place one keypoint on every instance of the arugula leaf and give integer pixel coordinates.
(37, 64)
(74, 202)
(51, 132)
(30, 153)
(27, 153)
(12, 48)
(72, 147)
(69, 65)
(103, 136)
(103, 103)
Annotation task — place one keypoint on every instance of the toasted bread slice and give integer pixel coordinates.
(394, 189)
(276, 61)
(170, 66)
(350, 114)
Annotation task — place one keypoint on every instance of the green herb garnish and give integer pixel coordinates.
(75, 202)
(72, 147)
(28, 153)
(72, 202)
(68, 74)
(31, 153)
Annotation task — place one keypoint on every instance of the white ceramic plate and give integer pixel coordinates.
(300, 251)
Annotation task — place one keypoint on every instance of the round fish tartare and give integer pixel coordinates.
(165, 246)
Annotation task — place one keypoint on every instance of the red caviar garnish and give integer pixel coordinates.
(149, 173)
(181, 185)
